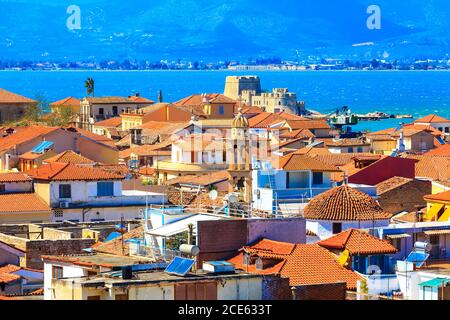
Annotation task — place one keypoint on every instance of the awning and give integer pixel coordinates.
(398, 236)
(437, 282)
(437, 232)
(180, 226)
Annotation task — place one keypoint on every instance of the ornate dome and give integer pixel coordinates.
(240, 121)
(344, 204)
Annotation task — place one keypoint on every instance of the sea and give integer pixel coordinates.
(394, 92)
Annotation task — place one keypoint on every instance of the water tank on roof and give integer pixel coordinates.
(190, 249)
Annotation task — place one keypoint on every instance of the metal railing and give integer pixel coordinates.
(156, 253)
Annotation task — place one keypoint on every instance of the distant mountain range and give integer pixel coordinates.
(213, 29)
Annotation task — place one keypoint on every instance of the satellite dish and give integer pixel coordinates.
(232, 198)
(213, 195)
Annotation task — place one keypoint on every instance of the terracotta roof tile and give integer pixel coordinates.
(115, 246)
(390, 184)
(201, 180)
(264, 120)
(10, 268)
(14, 177)
(294, 162)
(358, 242)
(432, 118)
(344, 204)
(307, 124)
(197, 99)
(6, 278)
(346, 143)
(66, 102)
(56, 171)
(111, 122)
(22, 202)
(441, 197)
(69, 156)
(433, 167)
(443, 150)
(303, 264)
(112, 99)
(9, 97)
(24, 135)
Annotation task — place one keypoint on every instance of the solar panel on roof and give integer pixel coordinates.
(440, 140)
(41, 147)
(419, 258)
(180, 266)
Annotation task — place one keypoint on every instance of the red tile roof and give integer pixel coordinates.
(440, 197)
(24, 135)
(307, 124)
(436, 168)
(66, 102)
(22, 202)
(443, 150)
(344, 204)
(10, 268)
(303, 264)
(358, 242)
(14, 177)
(432, 118)
(264, 120)
(299, 133)
(295, 162)
(201, 180)
(71, 172)
(9, 97)
(116, 246)
(391, 184)
(111, 122)
(197, 99)
(69, 156)
(119, 100)
(6, 278)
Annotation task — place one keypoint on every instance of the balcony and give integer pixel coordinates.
(188, 167)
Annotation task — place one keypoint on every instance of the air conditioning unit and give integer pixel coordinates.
(64, 204)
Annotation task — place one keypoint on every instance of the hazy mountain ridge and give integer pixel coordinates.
(216, 29)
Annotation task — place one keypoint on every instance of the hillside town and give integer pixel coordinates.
(238, 195)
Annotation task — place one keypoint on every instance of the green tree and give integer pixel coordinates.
(34, 111)
(89, 84)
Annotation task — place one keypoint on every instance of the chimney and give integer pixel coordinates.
(127, 273)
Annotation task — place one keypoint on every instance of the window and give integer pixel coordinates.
(57, 272)
(105, 189)
(350, 150)
(337, 227)
(2, 188)
(360, 149)
(447, 129)
(317, 178)
(58, 213)
(101, 111)
(65, 191)
(221, 110)
(115, 111)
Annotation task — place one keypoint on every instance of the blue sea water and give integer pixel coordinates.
(400, 92)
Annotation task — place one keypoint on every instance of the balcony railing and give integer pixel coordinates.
(176, 166)
(297, 194)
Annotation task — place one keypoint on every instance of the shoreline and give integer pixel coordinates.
(235, 71)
